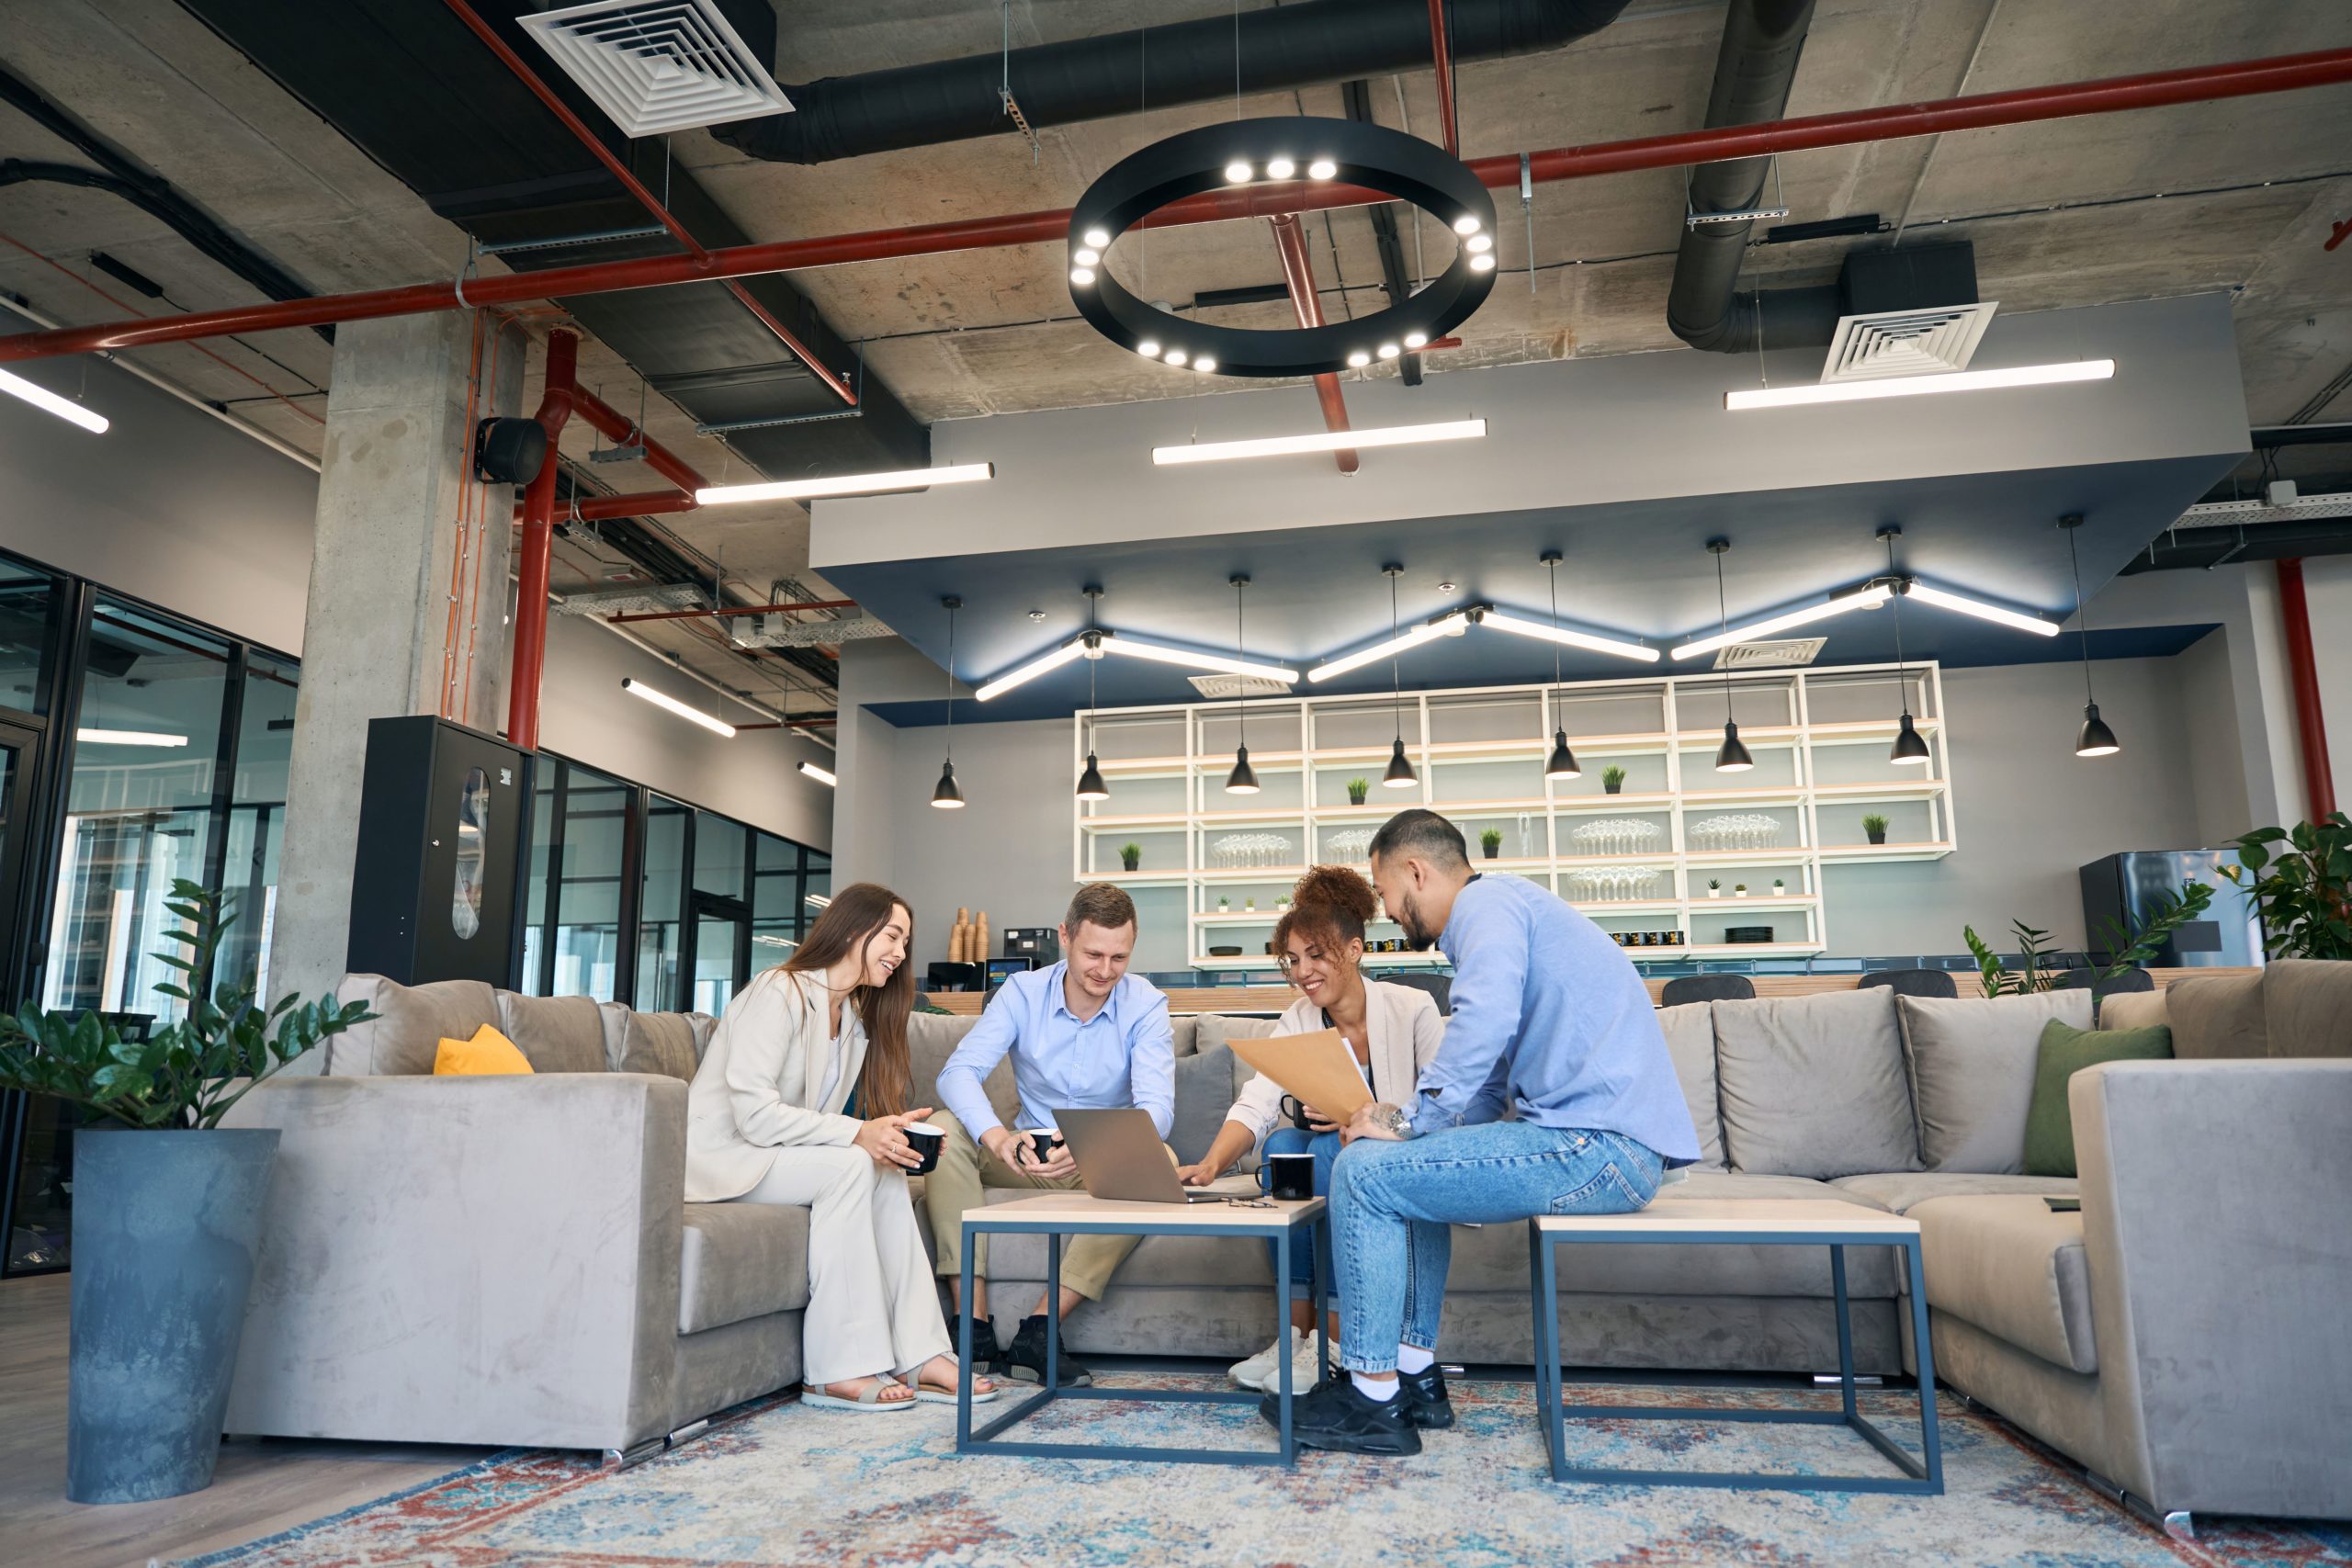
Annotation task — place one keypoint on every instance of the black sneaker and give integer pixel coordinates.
(1427, 1404)
(1336, 1418)
(1025, 1362)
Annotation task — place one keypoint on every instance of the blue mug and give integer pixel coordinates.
(1288, 1177)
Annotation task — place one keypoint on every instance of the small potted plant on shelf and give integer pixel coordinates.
(1357, 790)
(1131, 856)
(1715, 889)
(1739, 890)
(1612, 779)
(1779, 887)
(1224, 904)
(1874, 826)
(1491, 841)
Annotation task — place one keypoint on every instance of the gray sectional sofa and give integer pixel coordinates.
(506, 1260)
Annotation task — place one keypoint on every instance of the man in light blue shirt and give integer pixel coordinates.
(1551, 1019)
(1084, 1036)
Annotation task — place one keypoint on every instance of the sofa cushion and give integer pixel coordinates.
(2014, 1270)
(742, 1260)
(1184, 1034)
(1217, 1028)
(556, 1034)
(1898, 1191)
(1203, 1094)
(2307, 1007)
(2216, 1016)
(704, 1027)
(1971, 1072)
(488, 1054)
(408, 1024)
(2133, 1009)
(1691, 1041)
(2050, 1121)
(932, 1038)
(652, 1042)
(1814, 1086)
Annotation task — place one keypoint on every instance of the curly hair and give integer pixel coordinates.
(1332, 903)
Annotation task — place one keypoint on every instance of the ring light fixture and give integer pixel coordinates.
(1261, 158)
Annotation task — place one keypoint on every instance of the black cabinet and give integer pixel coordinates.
(444, 840)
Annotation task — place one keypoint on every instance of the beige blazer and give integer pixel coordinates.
(758, 1088)
(1406, 1032)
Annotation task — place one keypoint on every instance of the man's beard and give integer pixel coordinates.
(1419, 937)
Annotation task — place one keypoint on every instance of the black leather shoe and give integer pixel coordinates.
(1025, 1362)
(1427, 1404)
(1335, 1417)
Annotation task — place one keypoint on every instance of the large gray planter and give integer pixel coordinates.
(164, 1225)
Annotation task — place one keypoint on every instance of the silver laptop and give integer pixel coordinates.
(1119, 1156)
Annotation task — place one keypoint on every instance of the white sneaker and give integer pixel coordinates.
(1264, 1371)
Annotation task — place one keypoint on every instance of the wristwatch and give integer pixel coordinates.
(1389, 1119)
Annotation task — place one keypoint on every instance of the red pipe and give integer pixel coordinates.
(556, 406)
(596, 508)
(644, 197)
(1298, 272)
(1444, 58)
(2201, 85)
(2302, 668)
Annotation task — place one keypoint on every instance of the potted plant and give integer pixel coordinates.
(1739, 890)
(2302, 888)
(1224, 904)
(1491, 841)
(1357, 790)
(1874, 826)
(1779, 887)
(1715, 889)
(1131, 856)
(167, 1207)
(1612, 779)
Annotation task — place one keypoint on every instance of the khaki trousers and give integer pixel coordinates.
(965, 1171)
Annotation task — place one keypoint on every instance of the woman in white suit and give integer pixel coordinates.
(766, 1124)
(1394, 1031)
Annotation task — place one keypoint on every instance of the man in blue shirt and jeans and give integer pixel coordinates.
(1084, 1034)
(1550, 1018)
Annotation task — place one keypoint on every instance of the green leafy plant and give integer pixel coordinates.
(1714, 886)
(2128, 949)
(189, 1072)
(1491, 841)
(2303, 889)
(1131, 855)
(1999, 979)
(1357, 790)
(1612, 776)
(1875, 826)
(1739, 889)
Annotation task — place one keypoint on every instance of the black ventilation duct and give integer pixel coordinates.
(1164, 67)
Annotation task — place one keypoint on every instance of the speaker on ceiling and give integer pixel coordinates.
(509, 451)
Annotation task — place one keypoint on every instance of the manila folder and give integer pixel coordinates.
(1317, 1067)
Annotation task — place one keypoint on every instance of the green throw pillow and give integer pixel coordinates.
(2065, 1051)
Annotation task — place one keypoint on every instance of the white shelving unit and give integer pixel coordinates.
(1819, 737)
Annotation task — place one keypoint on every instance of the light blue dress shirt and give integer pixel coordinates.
(1124, 1055)
(1551, 1017)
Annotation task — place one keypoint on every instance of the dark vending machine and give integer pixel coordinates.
(2126, 890)
(443, 844)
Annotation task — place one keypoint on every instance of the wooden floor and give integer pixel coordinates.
(263, 1486)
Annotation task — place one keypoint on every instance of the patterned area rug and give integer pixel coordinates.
(779, 1483)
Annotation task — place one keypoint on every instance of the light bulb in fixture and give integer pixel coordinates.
(1205, 362)
(1280, 168)
(1910, 746)
(1467, 224)
(1732, 757)
(1400, 774)
(1561, 765)
(1390, 351)
(1089, 783)
(1415, 339)
(947, 796)
(1482, 262)
(1098, 238)
(1175, 357)
(1243, 780)
(1481, 241)
(2096, 739)
(1148, 348)
(1321, 169)
(1237, 171)
(1359, 359)
(1081, 276)
(1086, 256)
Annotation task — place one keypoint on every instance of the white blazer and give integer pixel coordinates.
(1406, 1032)
(760, 1083)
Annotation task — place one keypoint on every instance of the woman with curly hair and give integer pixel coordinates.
(1393, 1030)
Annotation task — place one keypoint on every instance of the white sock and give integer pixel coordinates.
(1378, 1392)
(1413, 1359)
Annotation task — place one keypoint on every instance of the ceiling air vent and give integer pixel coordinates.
(1786, 654)
(1232, 688)
(1924, 341)
(659, 65)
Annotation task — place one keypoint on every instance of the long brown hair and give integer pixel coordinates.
(1330, 904)
(849, 925)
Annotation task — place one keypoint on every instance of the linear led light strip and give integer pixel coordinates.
(846, 484)
(823, 775)
(1452, 624)
(638, 688)
(1572, 638)
(1110, 642)
(1876, 593)
(1921, 385)
(1927, 593)
(129, 737)
(1321, 441)
(42, 398)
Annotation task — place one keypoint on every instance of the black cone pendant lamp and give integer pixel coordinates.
(2095, 739)
(1562, 763)
(1731, 756)
(1089, 783)
(1243, 779)
(947, 796)
(1400, 774)
(1910, 746)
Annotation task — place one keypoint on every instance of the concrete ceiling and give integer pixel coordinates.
(2239, 196)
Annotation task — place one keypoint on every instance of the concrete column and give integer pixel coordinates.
(408, 598)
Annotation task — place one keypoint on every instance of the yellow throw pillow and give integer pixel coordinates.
(487, 1051)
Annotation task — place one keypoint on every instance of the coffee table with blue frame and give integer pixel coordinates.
(1057, 1214)
(1700, 1221)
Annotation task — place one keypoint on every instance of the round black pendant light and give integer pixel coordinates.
(1910, 746)
(947, 796)
(1731, 756)
(1562, 763)
(1262, 157)
(1400, 774)
(2095, 739)
(1089, 783)
(1243, 779)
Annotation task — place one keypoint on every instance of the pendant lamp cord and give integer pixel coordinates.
(1240, 702)
(2081, 614)
(1723, 617)
(1553, 568)
(951, 683)
(1395, 681)
(1902, 677)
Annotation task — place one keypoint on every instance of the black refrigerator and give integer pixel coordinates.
(2128, 888)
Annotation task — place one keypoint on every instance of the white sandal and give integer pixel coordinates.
(868, 1402)
(947, 1396)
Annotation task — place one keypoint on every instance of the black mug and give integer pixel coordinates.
(1288, 1177)
(1296, 1111)
(1043, 1141)
(927, 1141)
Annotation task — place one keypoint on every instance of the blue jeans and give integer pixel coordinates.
(1391, 1204)
(1325, 1147)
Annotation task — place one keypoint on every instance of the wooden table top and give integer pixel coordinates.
(1053, 1210)
(1760, 1216)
